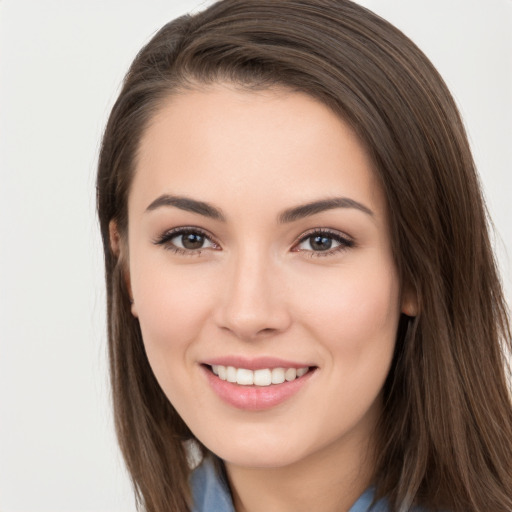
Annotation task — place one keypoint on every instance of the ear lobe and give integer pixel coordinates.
(117, 245)
(409, 302)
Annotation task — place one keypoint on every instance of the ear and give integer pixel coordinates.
(409, 301)
(115, 239)
(119, 250)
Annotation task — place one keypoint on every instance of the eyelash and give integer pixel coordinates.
(344, 241)
(165, 241)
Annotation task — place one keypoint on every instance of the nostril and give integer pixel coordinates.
(267, 330)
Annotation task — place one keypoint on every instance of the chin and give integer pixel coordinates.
(258, 458)
(267, 452)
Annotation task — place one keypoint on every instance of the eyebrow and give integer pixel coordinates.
(287, 216)
(305, 210)
(187, 204)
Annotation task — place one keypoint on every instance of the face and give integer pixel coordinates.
(262, 273)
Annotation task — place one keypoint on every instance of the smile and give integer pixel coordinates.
(262, 377)
(258, 389)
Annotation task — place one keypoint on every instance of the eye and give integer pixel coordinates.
(186, 241)
(191, 241)
(323, 241)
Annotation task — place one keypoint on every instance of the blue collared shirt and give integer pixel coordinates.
(211, 494)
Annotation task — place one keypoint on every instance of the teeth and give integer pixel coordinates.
(222, 372)
(277, 375)
(290, 374)
(231, 374)
(244, 377)
(302, 371)
(263, 377)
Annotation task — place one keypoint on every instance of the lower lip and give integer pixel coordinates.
(255, 398)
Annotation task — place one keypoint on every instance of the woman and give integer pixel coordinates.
(299, 275)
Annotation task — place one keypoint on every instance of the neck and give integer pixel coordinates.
(329, 480)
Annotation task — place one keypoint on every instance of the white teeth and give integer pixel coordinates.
(244, 377)
(290, 374)
(302, 371)
(277, 375)
(263, 377)
(222, 372)
(231, 374)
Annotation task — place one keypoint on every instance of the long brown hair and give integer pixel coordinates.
(445, 437)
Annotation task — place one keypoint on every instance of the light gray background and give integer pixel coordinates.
(61, 63)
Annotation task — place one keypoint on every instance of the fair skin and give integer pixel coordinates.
(241, 280)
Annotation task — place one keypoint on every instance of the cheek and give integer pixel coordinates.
(355, 312)
(172, 307)
(354, 322)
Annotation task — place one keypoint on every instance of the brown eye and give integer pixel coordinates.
(191, 240)
(320, 243)
(186, 241)
(323, 242)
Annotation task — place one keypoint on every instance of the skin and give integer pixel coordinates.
(257, 287)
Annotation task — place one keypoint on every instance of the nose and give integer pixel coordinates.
(253, 300)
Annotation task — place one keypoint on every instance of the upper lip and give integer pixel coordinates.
(256, 363)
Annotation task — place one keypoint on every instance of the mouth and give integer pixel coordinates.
(257, 389)
(262, 377)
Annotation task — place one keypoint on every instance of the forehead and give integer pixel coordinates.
(272, 147)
